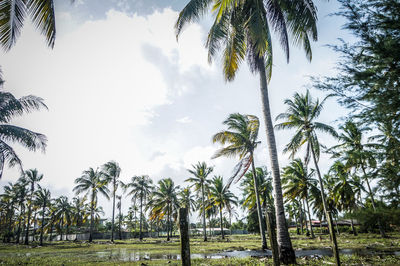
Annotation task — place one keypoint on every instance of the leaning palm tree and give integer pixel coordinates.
(241, 140)
(11, 107)
(297, 184)
(32, 176)
(301, 114)
(242, 30)
(221, 196)
(140, 188)
(42, 199)
(91, 182)
(164, 202)
(200, 182)
(14, 13)
(111, 171)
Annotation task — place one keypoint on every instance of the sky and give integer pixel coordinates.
(119, 86)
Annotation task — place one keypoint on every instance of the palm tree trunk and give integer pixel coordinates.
(309, 218)
(141, 217)
(91, 218)
(42, 227)
(353, 228)
(337, 226)
(29, 217)
(113, 212)
(259, 211)
(335, 248)
(204, 213)
(220, 218)
(382, 232)
(301, 218)
(305, 214)
(286, 252)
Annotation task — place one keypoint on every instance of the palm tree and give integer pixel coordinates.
(241, 138)
(243, 29)
(63, 215)
(357, 155)
(344, 189)
(111, 170)
(11, 107)
(199, 180)
(22, 192)
(42, 199)
(14, 13)
(164, 201)
(92, 182)
(301, 115)
(221, 197)
(140, 188)
(32, 176)
(79, 211)
(187, 199)
(120, 217)
(297, 183)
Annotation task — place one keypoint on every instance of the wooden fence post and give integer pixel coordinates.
(184, 232)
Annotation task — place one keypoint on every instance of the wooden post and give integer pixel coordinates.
(272, 238)
(184, 232)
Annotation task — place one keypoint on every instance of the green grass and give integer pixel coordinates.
(105, 253)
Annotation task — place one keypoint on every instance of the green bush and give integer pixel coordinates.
(368, 219)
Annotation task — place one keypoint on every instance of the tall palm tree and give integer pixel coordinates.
(241, 140)
(200, 172)
(357, 155)
(140, 188)
(111, 171)
(297, 184)
(32, 176)
(22, 192)
(221, 197)
(242, 29)
(42, 199)
(301, 115)
(14, 13)
(11, 107)
(164, 201)
(92, 182)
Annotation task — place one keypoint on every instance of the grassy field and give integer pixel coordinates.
(160, 252)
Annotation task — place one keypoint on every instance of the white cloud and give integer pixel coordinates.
(184, 120)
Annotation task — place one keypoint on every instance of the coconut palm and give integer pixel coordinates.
(164, 202)
(79, 211)
(221, 197)
(241, 140)
(242, 29)
(187, 199)
(200, 172)
(63, 215)
(11, 107)
(111, 171)
(343, 189)
(91, 183)
(120, 217)
(301, 114)
(357, 155)
(22, 192)
(297, 182)
(140, 188)
(14, 13)
(32, 177)
(264, 182)
(42, 199)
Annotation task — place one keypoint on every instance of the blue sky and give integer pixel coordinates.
(119, 87)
